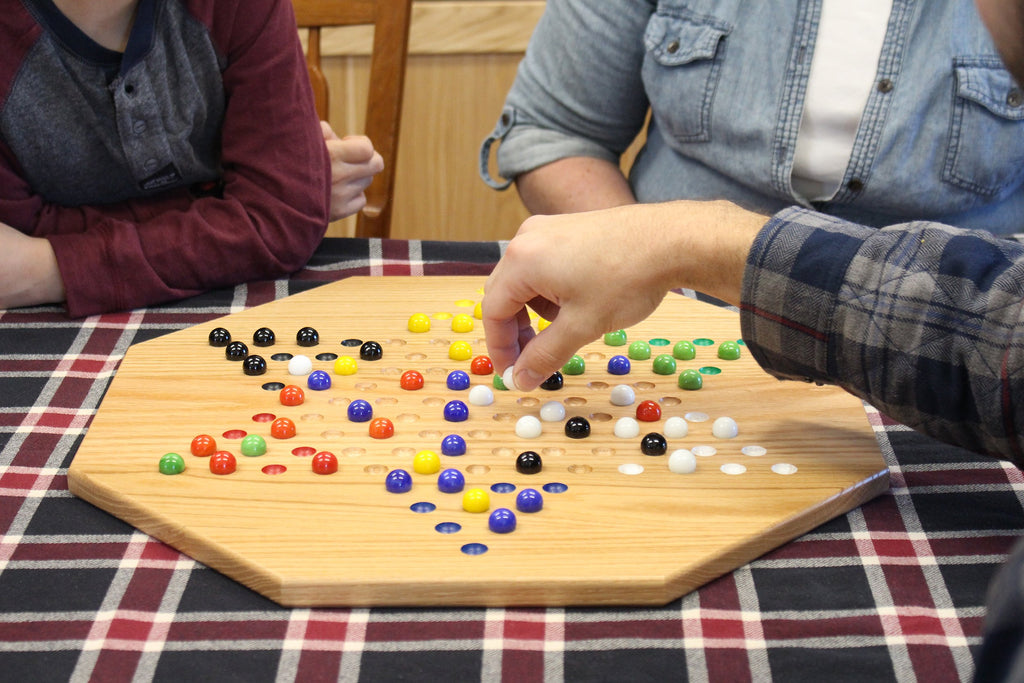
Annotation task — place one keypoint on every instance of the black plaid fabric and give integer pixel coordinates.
(894, 590)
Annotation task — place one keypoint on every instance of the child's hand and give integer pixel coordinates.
(353, 165)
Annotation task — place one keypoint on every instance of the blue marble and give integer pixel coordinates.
(502, 521)
(360, 411)
(453, 444)
(458, 380)
(618, 365)
(398, 481)
(318, 380)
(456, 411)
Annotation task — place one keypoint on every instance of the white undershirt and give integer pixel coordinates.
(843, 69)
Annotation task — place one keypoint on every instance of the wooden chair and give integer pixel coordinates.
(390, 19)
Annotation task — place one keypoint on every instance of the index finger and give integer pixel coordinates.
(506, 321)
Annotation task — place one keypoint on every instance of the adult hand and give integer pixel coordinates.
(28, 270)
(596, 272)
(354, 162)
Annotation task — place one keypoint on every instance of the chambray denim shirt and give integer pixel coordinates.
(941, 136)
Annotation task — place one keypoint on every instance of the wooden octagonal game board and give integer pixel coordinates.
(616, 526)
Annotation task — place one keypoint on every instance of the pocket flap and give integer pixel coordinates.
(989, 84)
(674, 40)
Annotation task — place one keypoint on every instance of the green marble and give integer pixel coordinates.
(690, 380)
(172, 463)
(664, 364)
(617, 338)
(684, 350)
(253, 445)
(729, 350)
(639, 350)
(575, 366)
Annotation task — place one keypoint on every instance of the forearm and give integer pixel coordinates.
(572, 185)
(921, 320)
(577, 91)
(28, 270)
(682, 244)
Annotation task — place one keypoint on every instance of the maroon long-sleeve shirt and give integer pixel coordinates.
(193, 160)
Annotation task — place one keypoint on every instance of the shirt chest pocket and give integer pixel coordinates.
(986, 142)
(680, 72)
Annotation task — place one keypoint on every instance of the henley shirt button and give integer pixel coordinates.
(855, 185)
(139, 126)
(129, 88)
(151, 165)
(1015, 97)
(885, 85)
(673, 47)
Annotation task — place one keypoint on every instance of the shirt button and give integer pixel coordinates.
(673, 47)
(885, 85)
(139, 126)
(855, 185)
(151, 165)
(1015, 97)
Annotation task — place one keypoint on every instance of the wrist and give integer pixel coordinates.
(709, 246)
(49, 281)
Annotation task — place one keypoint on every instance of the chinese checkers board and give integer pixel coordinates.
(431, 501)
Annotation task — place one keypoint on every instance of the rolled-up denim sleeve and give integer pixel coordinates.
(924, 321)
(578, 90)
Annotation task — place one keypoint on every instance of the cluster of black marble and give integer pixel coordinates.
(254, 364)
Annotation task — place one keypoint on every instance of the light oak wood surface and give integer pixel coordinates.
(305, 539)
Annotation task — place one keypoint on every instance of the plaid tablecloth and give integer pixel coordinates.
(894, 590)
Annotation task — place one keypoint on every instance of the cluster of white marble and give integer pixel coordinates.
(681, 461)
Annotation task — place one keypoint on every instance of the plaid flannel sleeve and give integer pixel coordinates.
(921, 320)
